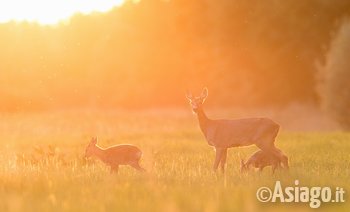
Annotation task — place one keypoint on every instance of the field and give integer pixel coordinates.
(42, 166)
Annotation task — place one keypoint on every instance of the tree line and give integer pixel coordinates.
(247, 52)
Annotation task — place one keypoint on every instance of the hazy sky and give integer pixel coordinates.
(50, 11)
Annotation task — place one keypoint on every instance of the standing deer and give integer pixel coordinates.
(223, 134)
(123, 154)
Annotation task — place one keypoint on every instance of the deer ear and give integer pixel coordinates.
(189, 95)
(204, 93)
(94, 140)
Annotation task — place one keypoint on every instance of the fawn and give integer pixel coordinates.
(123, 154)
(261, 159)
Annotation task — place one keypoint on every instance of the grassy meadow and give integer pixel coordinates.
(42, 166)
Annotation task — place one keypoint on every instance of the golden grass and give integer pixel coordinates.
(42, 166)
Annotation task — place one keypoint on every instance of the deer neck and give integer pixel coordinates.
(203, 120)
(99, 153)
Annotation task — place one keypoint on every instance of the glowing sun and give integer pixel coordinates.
(51, 11)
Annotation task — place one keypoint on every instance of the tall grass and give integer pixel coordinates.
(42, 166)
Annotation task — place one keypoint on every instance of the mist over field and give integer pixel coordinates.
(147, 73)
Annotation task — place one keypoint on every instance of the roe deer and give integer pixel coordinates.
(261, 159)
(123, 154)
(223, 134)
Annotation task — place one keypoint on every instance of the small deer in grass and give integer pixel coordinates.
(261, 159)
(223, 134)
(123, 154)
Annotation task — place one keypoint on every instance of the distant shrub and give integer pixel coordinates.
(335, 77)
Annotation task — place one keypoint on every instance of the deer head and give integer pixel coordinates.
(91, 147)
(196, 102)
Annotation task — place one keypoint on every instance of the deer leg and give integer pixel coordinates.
(114, 169)
(274, 168)
(223, 160)
(217, 158)
(247, 165)
(282, 157)
(137, 166)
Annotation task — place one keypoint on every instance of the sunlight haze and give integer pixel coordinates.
(51, 12)
(174, 105)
